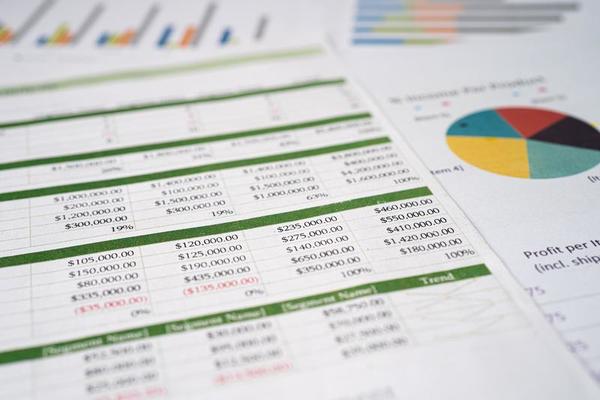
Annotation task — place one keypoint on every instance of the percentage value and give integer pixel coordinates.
(219, 213)
(121, 228)
(459, 253)
(356, 271)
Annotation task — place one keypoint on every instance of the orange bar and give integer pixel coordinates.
(63, 38)
(58, 33)
(440, 29)
(187, 36)
(125, 37)
(5, 35)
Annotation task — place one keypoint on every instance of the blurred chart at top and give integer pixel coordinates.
(175, 24)
(426, 22)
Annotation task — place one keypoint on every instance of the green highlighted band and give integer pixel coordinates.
(244, 314)
(178, 143)
(182, 234)
(75, 187)
(170, 103)
(144, 73)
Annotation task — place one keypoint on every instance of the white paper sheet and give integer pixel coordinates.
(245, 226)
(543, 224)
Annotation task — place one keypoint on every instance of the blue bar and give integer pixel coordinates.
(226, 36)
(103, 39)
(42, 40)
(369, 18)
(164, 38)
(364, 29)
(378, 41)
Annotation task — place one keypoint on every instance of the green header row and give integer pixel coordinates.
(189, 233)
(244, 314)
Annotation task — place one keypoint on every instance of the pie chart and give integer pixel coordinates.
(525, 142)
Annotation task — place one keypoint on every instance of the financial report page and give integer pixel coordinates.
(179, 230)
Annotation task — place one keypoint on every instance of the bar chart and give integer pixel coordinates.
(129, 36)
(147, 24)
(191, 35)
(213, 27)
(405, 22)
(64, 35)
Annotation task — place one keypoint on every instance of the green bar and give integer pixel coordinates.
(425, 41)
(75, 187)
(144, 73)
(170, 103)
(178, 143)
(182, 234)
(246, 314)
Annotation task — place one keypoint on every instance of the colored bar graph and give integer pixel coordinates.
(61, 36)
(116, 40)
(130, 36)
(187, 38)
(190, 36)
(396, 41)
(407, 22)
